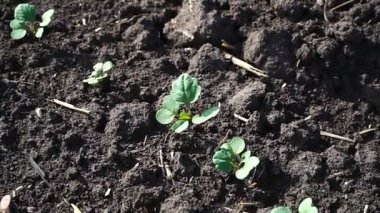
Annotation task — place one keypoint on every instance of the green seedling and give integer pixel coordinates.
(25, 21)
(176, 107)
(229, 159)
(306, 206)
(100, 73)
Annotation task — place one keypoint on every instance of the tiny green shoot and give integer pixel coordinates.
(25, 21)
(230, 159)
(306, 206)
(101, 71)
(176, 107)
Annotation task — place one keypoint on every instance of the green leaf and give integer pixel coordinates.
(236, 145)
(91, 81)
(46, 17)
(170, 104)
(223, 160)
(306, 206)
(39, 32)
(18, 34)
(107, 66)
(98, 68)
(164, 116)
(246, 154)
(281, 209)
(185, 89)
(206, 115)
(249, 164)
(179, 126)
(184, 116)
(25, 12)
(17, 24)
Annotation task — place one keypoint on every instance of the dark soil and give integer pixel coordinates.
(327, 72)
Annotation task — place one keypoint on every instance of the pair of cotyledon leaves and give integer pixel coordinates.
(228, 159)
(306, 206)
(26, 14)
(100, 72)
(185, 91)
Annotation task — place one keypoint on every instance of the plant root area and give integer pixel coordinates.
(323, 63)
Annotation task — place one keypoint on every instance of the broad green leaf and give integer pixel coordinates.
(39, 32)
(237, 145)
(25, 12)
(246, 154)
(223, 160)
(16, 24)
(312, 209)
(107, 66)
(98, 68)
(46, 18)
(306, 206)
(224, 166)
(18, 34)
(179, 126)
(76, 209)
(170, 104)
(206, 115)
(281, 209)
(249, 164)
(185, 89)
(164, 116)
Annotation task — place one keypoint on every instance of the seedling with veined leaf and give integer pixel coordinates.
(176, 107)
(100, 73)
(306, 206)
(230, 159)
(25, 21)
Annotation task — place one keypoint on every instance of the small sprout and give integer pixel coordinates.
(228, 159)
(25, 21)
(304, 207)
(176, 107)
(100, 73)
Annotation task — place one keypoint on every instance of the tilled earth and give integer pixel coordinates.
(324, 76)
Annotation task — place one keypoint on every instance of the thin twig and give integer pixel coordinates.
(241, 118)
(341, 5)
(36, 167)
(70, 106)
(325, 11)
(246, 66)
(162, 162)
(367, 131)
(225, 137)
(228, 45)
(323, 133)
(365, 209)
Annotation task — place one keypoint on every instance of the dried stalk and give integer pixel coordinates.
(323, 133)
(246, 66)
(70, 106)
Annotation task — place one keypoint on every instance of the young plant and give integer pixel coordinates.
(304, 207)
(229, 159)
(100, 73)
(25, 21)
(176, 107)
